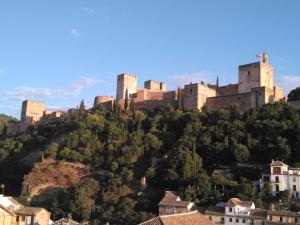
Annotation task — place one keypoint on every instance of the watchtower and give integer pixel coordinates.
(258, 74)
(32, 111)
(126, 82)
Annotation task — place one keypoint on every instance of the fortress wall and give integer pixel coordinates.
(195, 95)
(152, 104)
(154, 85)
(278, 93)
(102, 99)
(244, 101)
(147, 94)
(108, 105)
(230, 89)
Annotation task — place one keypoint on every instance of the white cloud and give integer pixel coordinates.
(22, 93)
(288, 82)
(87, 10)
(197, 77)
(74, 32)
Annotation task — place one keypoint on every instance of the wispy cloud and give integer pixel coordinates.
(87, 10)
(288, 82)
(196, 77)
(22, 93)
(74, 32)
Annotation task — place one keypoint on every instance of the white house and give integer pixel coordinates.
(282, 177)
(238, 212)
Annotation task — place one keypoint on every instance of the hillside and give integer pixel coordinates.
(4, 120)
(176, 150)
(51, 175)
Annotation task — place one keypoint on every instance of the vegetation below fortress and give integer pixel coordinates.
(174, 149)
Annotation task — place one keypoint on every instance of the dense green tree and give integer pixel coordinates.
(294, 95)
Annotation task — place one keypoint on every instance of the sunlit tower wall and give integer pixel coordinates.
(126, 82)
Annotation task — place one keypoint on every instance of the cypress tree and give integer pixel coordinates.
(126, 100)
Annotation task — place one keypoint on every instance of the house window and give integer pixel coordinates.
(294, 188)
(17, 219)
(23, 218)
(296, 220)
(294, 179)
(277, 187)
(236, 220)
(210, 218)
(281, 219)
(191, 91)
(230, 209)
(277, 179)
(222, 220)
(271, 218)
(230, 220)
(244, 221)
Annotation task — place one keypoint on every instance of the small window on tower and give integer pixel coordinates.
(191, 91)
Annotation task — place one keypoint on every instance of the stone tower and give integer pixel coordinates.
(258, 74)
(126, 81)
(32, 111)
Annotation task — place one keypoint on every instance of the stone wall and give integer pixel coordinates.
(126, 81)
(102, 99)
(230, 89)
(253, 75)
(244, 101)
(195, 95)
(32, 111)
(154, 85)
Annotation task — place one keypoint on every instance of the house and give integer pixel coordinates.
(14, 213)
(188, 218)
(282, 177)
(238, 211)
(172, 204)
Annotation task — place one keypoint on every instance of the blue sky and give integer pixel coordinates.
(62, 51)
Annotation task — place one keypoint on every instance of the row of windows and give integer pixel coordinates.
(237, 220)
(281, 219)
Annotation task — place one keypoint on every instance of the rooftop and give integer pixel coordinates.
(171, 199)
(238, 202)
(190, 218)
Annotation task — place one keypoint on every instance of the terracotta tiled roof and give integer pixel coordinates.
(29, 211)
(190, 218)
(236, 202)
(277, 163)
(171, 199)
(259, 213)
(283, 213)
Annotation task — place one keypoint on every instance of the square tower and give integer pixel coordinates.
(32, 111)
(258, 74)
(126, 82)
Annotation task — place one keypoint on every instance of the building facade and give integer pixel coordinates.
(282, 177)
(14, 213)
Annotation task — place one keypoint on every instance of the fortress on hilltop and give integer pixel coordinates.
(254, 88)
